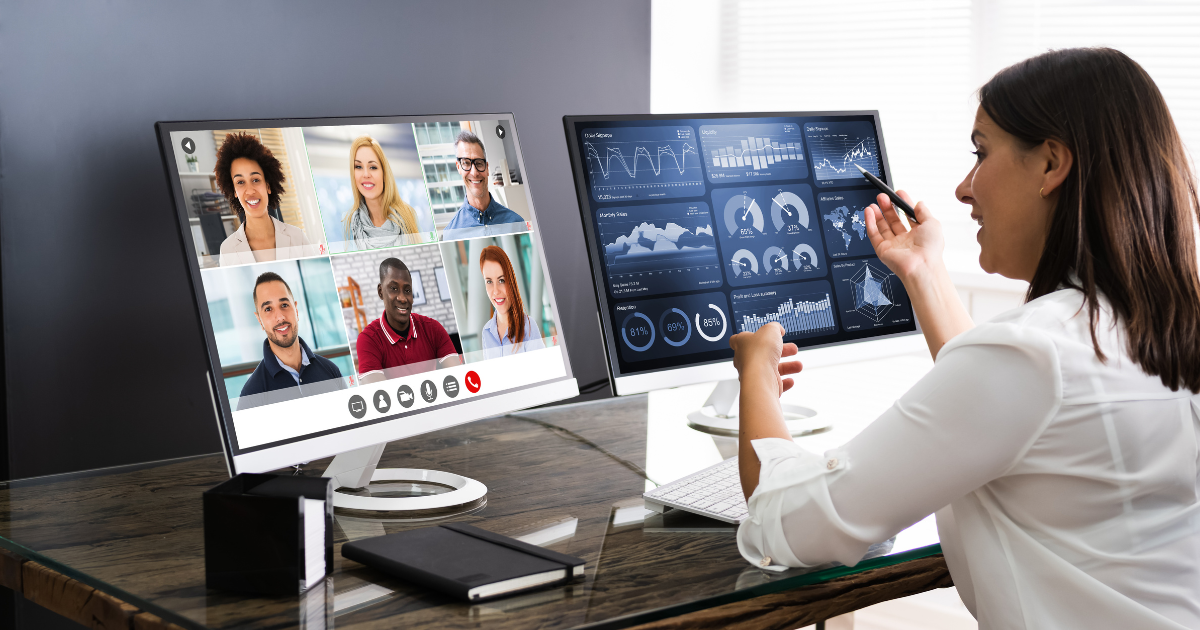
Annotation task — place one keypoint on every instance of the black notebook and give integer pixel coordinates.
(464, 561)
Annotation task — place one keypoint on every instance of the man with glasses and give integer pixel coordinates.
(480, 215)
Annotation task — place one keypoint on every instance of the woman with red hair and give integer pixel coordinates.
(510, 330)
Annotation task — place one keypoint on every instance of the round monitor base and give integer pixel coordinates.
(800, 421)
(464, 490)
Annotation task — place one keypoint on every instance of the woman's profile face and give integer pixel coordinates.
(250, 186)
(368, 173)
(1003, 192)
(496, 285)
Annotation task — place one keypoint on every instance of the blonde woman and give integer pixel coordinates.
(379, 217)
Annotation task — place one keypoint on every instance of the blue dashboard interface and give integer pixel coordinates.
(702, 228)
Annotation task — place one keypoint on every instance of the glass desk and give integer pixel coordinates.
(126, 545)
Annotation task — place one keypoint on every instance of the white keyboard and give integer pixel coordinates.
(715, 492)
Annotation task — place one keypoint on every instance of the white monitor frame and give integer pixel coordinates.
(559, 387)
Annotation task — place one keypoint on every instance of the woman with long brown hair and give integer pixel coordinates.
(1059, 442)
(510, 330)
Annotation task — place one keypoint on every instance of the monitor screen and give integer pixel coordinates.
(361, 280)
(703, 226)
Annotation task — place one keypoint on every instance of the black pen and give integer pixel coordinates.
(887, 190)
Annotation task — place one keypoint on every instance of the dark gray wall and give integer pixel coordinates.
(103, 356)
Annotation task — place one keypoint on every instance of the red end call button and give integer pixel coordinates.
(472, 380)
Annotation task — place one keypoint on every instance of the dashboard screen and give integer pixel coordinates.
(702, 227)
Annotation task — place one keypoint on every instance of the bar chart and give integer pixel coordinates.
(758, 151)
(803, 309)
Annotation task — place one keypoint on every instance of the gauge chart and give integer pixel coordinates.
(838, 147)
(632, 163)
(663, 248)
(760, 152)
(869, 295)
(770, 234)
(668, 327)
(743, 216)
(804, 309)
(789, 214)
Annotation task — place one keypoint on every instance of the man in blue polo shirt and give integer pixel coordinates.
(480, 215)
(287, 361)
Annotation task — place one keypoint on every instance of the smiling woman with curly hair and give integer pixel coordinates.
(251, 178)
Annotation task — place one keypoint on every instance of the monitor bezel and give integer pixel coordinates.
(717, 369)
(329, 444)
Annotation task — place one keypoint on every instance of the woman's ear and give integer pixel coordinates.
(1058, 160)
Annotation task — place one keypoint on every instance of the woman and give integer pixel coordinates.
(252, 179)
(510, 330)
(1057, 442)
(379, 217)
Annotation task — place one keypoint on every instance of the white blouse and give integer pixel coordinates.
(1066, 488)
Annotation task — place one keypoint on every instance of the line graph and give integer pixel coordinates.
(836, 148)
(753, 151)
(631, 163)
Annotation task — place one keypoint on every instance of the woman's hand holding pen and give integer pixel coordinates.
(915, 256)
(907, 252)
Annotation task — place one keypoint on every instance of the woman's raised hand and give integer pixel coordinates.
(905, 251)
(758, 355)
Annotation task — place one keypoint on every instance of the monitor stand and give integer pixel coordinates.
(718, 418)
(357, 469)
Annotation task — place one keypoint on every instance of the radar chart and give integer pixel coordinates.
(869, 295)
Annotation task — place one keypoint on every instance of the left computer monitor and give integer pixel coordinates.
(362, 280)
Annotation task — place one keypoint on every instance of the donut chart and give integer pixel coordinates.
(638, 330)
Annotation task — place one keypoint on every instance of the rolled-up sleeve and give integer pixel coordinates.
(969, 420)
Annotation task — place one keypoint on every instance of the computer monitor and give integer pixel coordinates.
(702, 226)
(357, 285)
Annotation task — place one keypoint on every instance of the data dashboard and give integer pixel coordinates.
(702, 227)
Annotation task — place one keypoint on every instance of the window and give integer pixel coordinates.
(924, 60)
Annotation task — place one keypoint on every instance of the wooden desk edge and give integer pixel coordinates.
(810, 604)
(71, 598)
(795, 608)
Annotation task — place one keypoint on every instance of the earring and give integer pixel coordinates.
(1040, 193)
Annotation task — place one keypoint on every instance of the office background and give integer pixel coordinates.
(96, 299)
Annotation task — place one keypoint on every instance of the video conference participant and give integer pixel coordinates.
(379, 217)
(252, 179)
(1057, 443)
(510, 330)
(400, 336)
(480, 215)
(287, 361)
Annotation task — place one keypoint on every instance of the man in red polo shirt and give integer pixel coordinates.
(400, 336)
